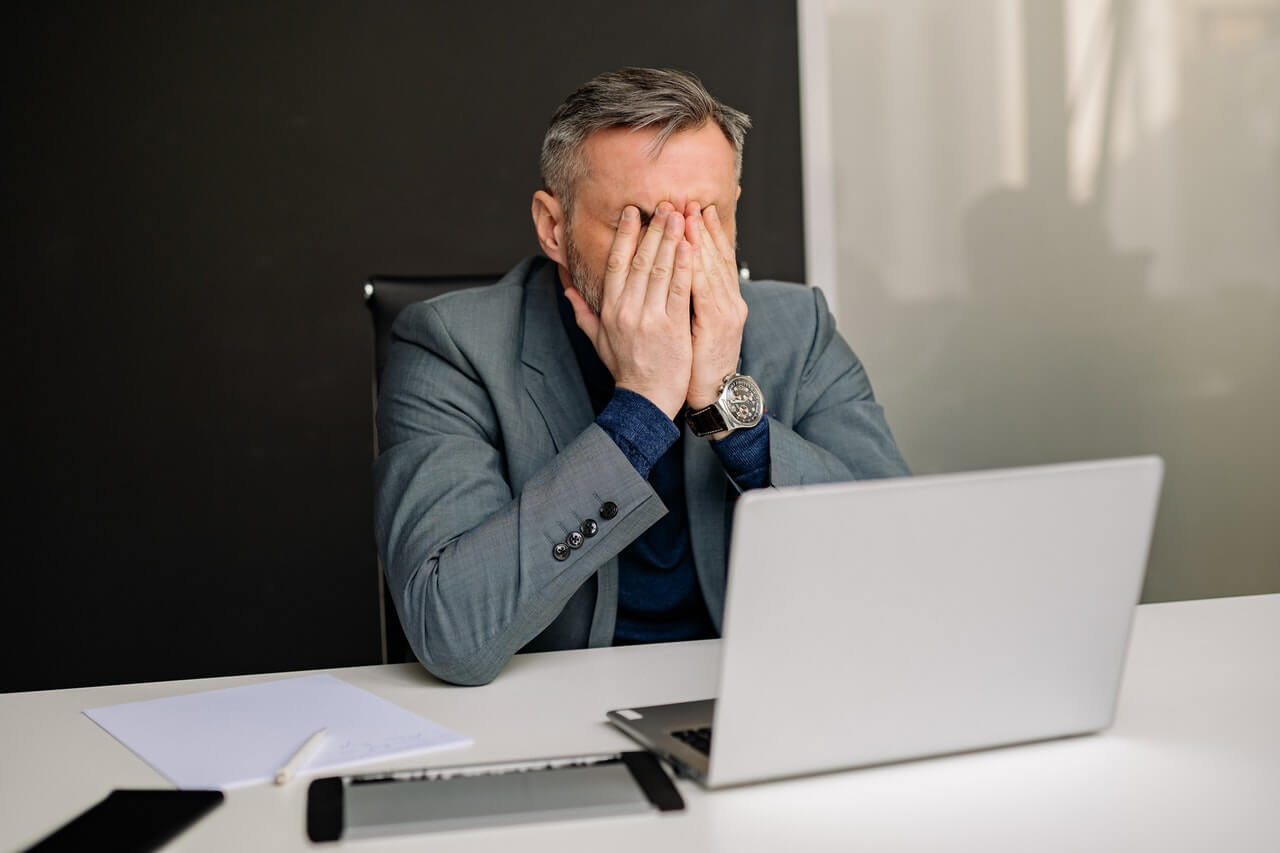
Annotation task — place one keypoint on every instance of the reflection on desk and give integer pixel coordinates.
(1192, 763)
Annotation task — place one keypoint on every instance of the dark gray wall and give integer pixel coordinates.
(191, 200)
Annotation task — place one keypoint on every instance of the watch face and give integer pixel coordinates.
(744, 402)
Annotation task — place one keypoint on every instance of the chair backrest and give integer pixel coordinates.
(386, 296)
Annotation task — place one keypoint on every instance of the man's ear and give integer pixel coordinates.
(739, 195)
(549, 222)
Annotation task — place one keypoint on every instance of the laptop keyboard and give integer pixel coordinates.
(699, 739)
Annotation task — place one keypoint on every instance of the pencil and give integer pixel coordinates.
(285, 773)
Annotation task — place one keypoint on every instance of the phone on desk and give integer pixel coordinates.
(131, 820)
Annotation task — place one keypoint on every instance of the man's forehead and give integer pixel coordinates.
(625, 166)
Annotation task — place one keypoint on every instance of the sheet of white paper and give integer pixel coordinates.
(243, 735)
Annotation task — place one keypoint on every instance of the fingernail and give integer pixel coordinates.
(711, 213)
(630, 214)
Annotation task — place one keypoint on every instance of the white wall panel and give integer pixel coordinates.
(1051, 229)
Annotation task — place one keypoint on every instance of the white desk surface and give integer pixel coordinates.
(1192, 763)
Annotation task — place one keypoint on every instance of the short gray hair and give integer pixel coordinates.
(665, 98)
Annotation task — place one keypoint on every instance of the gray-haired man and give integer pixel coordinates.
(561, 451)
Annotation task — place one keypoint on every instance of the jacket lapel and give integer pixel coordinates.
(557, 391)
(551, 374)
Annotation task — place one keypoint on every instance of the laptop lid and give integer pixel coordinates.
(881, 621)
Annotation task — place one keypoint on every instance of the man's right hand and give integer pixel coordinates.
(642, 333)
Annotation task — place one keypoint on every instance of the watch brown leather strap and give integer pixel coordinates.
(706, 421)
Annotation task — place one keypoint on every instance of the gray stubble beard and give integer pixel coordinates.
(589, 283)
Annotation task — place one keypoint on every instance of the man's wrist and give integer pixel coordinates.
(701, 401)
(703, 397)
(669, 408)
(642, 431)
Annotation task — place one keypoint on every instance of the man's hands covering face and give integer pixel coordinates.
(719, 311)
(644, 333)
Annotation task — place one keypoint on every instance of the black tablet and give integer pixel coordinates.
(345, 807)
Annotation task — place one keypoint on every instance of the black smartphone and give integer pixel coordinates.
(129, 821)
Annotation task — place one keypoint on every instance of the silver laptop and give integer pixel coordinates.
(889, 620)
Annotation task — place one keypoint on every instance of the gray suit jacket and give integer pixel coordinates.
(490, 456)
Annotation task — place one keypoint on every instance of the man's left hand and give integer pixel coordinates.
(719, 311)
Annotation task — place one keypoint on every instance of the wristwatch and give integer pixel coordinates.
(740, 406)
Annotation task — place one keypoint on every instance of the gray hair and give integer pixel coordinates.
(637, 98)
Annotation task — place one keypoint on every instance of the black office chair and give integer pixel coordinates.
(386, 296)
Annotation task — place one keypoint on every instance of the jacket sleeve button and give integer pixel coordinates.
(608, 510)
(589, 528)
(574, 539)
(560, 551)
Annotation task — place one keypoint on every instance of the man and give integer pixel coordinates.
(561, 451)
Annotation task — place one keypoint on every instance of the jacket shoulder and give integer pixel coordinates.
(486, 304)
(487, 314)
(785, 296)
(784, 309)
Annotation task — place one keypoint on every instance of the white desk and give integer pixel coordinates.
(1193, 762)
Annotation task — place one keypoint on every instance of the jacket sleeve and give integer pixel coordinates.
(837, 431)
(470, 563)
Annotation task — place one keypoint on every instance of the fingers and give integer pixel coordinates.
(618, 266)
(645, 257)
(719, 265)
(681, 282)
(692, 233)
(711, 219)
(715, 276)
(643, 268)
(660, 274)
